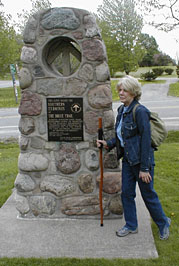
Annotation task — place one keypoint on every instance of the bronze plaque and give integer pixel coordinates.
(65, 119)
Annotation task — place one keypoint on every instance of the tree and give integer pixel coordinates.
(11, 41)
(162, 59)
(121, 27)
(9, 45)
(153, 56)
(165, 13)
(151, 48)
(37, 5)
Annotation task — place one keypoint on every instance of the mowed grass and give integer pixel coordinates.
(8, 169)
(7, 97)
(174, 89)
(166, 185)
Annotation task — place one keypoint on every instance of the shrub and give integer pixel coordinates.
(158, 71)
(169, 71)
(149, 76)
(118, 75)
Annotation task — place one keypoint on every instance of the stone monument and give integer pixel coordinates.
(65, 85)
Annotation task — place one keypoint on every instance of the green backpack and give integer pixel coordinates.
(158, 129)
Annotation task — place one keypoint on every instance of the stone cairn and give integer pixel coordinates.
(61, 179)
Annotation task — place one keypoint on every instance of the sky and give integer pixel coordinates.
(167, 41)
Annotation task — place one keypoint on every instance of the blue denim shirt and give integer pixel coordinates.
(136, 137)
(118, 129)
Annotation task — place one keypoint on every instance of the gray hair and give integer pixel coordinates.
(132, 85)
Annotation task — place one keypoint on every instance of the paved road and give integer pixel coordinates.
(156, 99)
(9, 117)
(154, 96)
(9, 120)
(7, 83)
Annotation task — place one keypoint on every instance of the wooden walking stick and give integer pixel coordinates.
(100, 137)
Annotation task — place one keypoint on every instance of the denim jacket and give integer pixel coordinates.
(136, 137)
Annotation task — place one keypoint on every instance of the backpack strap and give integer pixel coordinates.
(134, 110)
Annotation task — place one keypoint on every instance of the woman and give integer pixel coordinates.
(133, 143)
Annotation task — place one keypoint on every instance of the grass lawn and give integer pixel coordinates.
(174, 89)
(8, 172)
(7, 98)
(166, 185)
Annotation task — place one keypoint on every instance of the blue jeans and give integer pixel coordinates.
(130, 175)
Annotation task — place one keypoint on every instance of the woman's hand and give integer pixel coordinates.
(99, 142)
(145, 176)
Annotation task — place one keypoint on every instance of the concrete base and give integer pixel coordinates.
(73, 238)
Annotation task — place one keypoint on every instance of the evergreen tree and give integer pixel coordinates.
(151, 47)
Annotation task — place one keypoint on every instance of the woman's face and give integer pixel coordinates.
(125, 96)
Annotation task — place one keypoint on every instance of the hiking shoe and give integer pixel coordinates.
(164, 235)
(124, 231)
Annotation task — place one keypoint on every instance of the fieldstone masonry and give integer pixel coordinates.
(64, 56)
